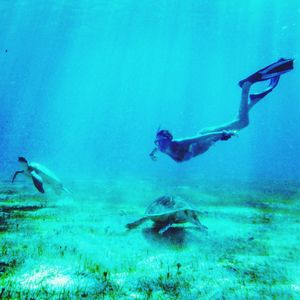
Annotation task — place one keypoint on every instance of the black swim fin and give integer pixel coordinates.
(274, 70)
(273, 83)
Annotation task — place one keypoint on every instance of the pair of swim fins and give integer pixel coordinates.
(271, 72)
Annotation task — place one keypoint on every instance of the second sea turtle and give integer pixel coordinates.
(168, 210)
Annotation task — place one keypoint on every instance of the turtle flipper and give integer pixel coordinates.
(202, 227)
(37, 181)
(136, 223)
(67, 191)
(15, 175)
(165, 228)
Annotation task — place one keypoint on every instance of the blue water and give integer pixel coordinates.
(85, 85)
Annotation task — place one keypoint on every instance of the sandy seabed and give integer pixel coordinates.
(76, 246)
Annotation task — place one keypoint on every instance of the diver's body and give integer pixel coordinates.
(185, 149)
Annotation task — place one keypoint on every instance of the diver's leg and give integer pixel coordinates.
(242, 119)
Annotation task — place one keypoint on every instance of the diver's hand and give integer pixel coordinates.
(152, 154)
(227, 134)
(153, 157)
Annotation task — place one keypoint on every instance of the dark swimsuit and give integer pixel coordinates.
(182, 152)
(178, 151)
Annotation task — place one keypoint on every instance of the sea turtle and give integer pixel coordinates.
(39, 175)
(168, 210)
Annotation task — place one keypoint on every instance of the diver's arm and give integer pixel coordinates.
(152, 154)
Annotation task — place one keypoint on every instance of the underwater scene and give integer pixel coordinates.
(149, 149)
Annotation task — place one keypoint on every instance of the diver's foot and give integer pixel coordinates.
(246, 84)
(249, 80)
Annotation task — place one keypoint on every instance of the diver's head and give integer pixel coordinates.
(163, 139)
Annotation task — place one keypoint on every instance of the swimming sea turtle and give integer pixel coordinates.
(39, 175)
(168, 210)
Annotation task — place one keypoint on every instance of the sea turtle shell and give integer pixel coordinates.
(168, 210)
(167, 205)
(47, 175)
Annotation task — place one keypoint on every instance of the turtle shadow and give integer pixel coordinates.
(174, 236)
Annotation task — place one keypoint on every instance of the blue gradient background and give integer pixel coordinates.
(85, 84)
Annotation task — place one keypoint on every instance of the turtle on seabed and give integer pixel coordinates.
(168, 210)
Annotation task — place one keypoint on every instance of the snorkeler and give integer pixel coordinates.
(185, 149)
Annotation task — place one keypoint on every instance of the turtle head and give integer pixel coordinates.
(193, 217)
(23, 161)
